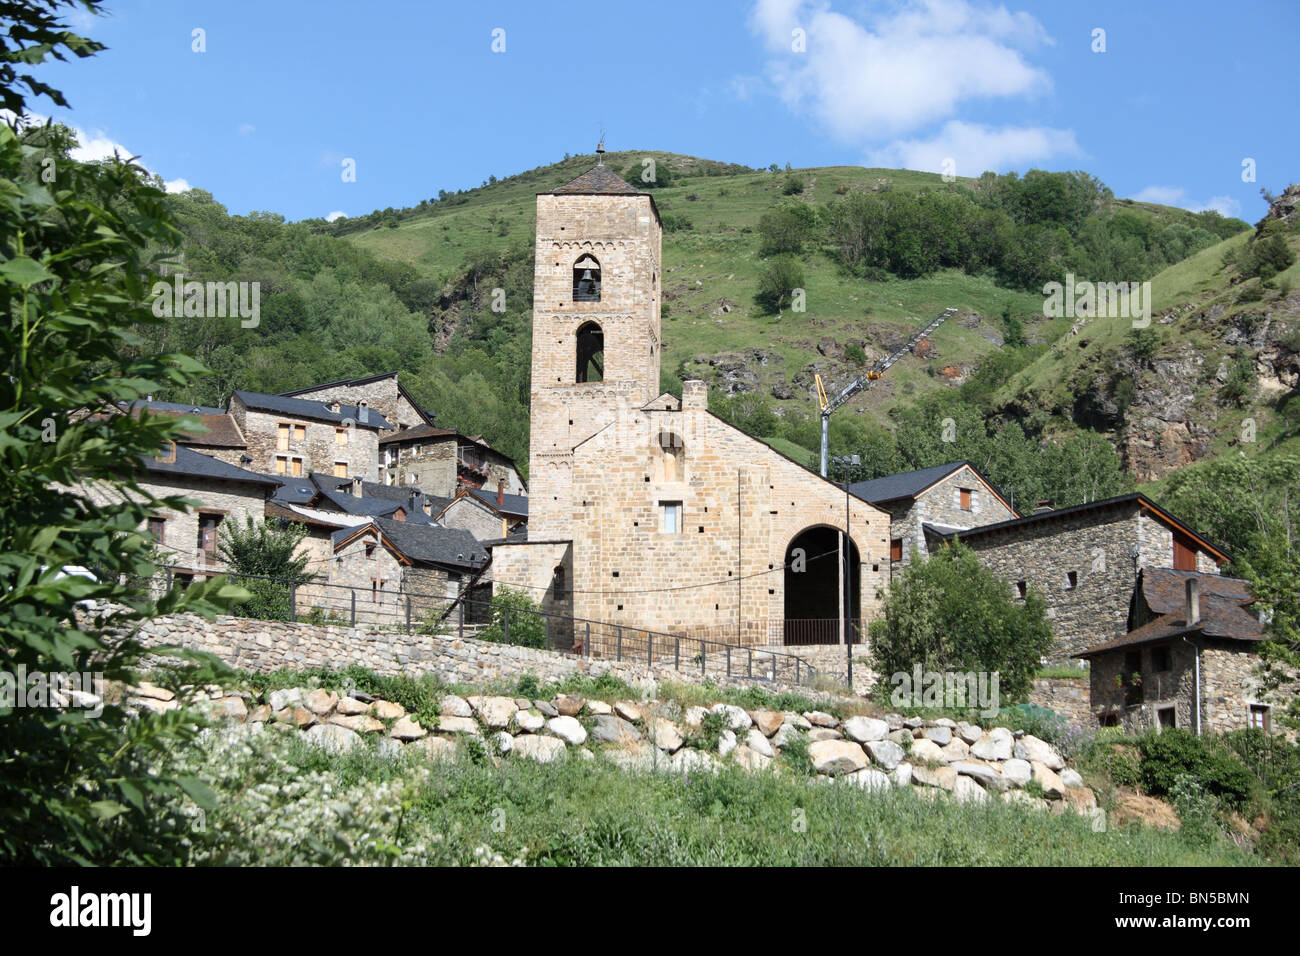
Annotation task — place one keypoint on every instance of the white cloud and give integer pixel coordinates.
(94, 146)
(1176, 196)
(903, 70)
(974, 148)
(336, 214)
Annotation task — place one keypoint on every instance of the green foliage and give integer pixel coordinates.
(262, 550)
(780, 278)
(1266, 256)
(786, 229)
(516, 619)
(1173, 754)
(76, 268)
(1241, 378)
(706, 736)
(793, 185)
(950, 613)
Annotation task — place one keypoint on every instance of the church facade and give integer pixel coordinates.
(646, 510)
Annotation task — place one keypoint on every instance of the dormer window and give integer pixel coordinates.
(586, 279)
(167, 452)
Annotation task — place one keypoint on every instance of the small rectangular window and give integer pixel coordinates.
(1168, 718)
(1160, 659)
(281, 465)
(299, 432)
(282, 438)
(207, 540)
(296, 470)
(340, 469)
(1071, 580)
(1022, 589)
(340, 436)
(965, 499)
(672, 516)
(1259, 717)
(896, 549)
(157, 527)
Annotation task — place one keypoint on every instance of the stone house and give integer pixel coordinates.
(385, 570)
(295, 437)
(1190, 659)
(487, 516)
(646, 510)
(216, 433)
(188, 540)
(441, 461)
(382, 393)
(951, 497)
(1084, 561)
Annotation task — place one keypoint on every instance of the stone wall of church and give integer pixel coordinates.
(741, 505)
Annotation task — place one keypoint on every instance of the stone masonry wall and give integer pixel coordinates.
(318, 450)
(941, 505)
(382, 396)
(1067, 696)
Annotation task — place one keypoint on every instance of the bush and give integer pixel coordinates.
(516, 611)
(786, 229)
(782, 276)
(1172, 754)
(949, 612)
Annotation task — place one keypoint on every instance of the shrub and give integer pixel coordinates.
(776, 286)
(1171, 754)
(949, 612)
(792, 186)
(516, 619)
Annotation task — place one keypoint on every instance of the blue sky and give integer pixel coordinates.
(1183, 94)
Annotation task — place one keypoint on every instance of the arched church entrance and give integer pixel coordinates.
(814, 568)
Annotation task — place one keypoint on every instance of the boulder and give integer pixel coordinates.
(837, 757)
(737, 719)
(726, 742)
(798, 721)
(568, 729)
(539, 748)
(688, 760)
(749, 759)
(230, 708)
(940, 735)
(1032, 749)
(360, 723)
(966, 790)
(956, 750)
(152, 692)
(387, 747)
(351, 707)
(407, 729)
(503, 742)
(453, 706)
(989, 747)
(546, 708)
(926, 751)
(259, 714)
(968, 732)
(768, 721)
(868, 779)
(289, 697)
(863, 729)
(568, 705)
(332, 738)
(694, 716)
(1016, 773)
(784, 734)
(902, 775)
(628, 710)
(531, 721)
(494, 711)
(1081, 799)
(886, 753)
(1028, 800)
(824, 733)
(758, 743)
(1070, 777)
(1053, 788)
(945, 778)
(609, 729)
(321, 702)
(599, 708)
(458, 725)
(820, 719)
(301, 717)
(387, 710)
(983, 774)
(665, 734)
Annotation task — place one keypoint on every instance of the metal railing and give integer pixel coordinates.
(807, 632)
(480, 617)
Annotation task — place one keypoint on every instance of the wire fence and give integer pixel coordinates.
(473, 614)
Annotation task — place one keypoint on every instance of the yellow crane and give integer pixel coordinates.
(872, 372)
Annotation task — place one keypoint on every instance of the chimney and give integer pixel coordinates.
(415, 507)
(356, 487)
(363, 412)
(1044, 504)
(1193, 608)
(501, 492)
(695, 394)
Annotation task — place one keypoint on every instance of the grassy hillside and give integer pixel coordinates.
(712, 325)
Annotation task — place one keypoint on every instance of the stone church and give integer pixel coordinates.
(647, 511)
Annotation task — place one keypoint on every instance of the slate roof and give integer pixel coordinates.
(419, 431)
(352, 382)
(1165, 589)
(511, 504)
(906, 484)
(295, 491)
(1221, 617)
(425, 543)
(600, 180)
(1133, 498)
(191, 464)
(305, 408)
(222, 432)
